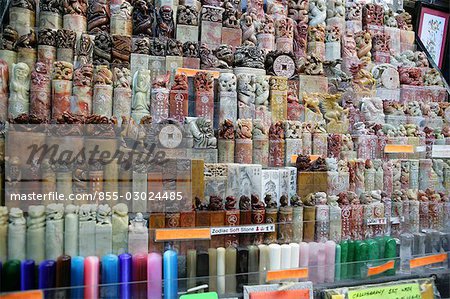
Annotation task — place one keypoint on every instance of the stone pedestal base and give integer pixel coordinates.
(278, 104)
(102, 100)
(266, 41)
(22, 20)
(172, 64)
(191, 63)
(410, 93)
(61, 93)
(228, 106)
(121, 26)
(293, 147)
(284, 44)
(320, 144)
(243, 151)
(27, 56)
(232, 37)
(138, 62)
(122, 102)
(178, 104)
(157, 66)
(159, 108)
(226, 150)
(249, 70)
(46, 55)
(311, 182)
(261, 152)
(40, 101)
(82, 100)
(317, 48)
(332, 51)
(50, 20)
(10, 57)
(394, 42)
(310, 84)
(208, 155)
(204, 105)
(211, 33)
(187, 33)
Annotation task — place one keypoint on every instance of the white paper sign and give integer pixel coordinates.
(440, 151)
(245, 229)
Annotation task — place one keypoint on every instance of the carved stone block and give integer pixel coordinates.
(293, 147)
(191, 63)
(318, 49)
(50, 20)
(261, 151)
(76, 23)
(122, 102)
(159, 108)
(102, 100)
(332, 51)
(311, 182)
(172, 64)
(22, 20)
(278, 98)
(208, 155)
(157, 66)
(10, 57)
(353, 26)
(204, 104)
(187, 33)
(28, 56)
(46, 54)
(232, 37)
(311, 84)
(320, 144)
(179, 104)
(407, 37)
(228, 106)
(211, 34)
(266, 41)
(138, 62)
(61, 93)
(243, 151)
(394, 38)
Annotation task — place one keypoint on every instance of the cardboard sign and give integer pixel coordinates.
(287, 274)
(427, 260)
(285, 294)
(182, 234)
(399, 148)
(405, 291)
(381, 268)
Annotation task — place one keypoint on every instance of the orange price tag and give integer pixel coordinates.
(285, 294)
(381, 268)
(192, 72)
(287, 274)
(37, 294)
(427, 260)
(399, 148)
(182, 234)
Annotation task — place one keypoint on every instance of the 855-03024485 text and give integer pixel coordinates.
(97, 195)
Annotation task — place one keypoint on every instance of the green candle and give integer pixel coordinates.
(350, 259)
(361, 256)
(344, 259)
(374, 253)
(212, 253)
(390, 251)
(191, 265)
(11, 276)
(337, 268)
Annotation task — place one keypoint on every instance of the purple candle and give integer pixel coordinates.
(125, 275)
(154, 276)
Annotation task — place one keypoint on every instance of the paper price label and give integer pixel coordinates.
(400, 291)
(245, 229)
(399, 148)
(38, 294)
(287, 274)
(285, 294)
(427, 260)
(182, 234)
(376, 221)
(440, 151)
(381, 268)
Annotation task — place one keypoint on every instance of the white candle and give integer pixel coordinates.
(330, 255)
(71, 231)
(263, 262)
(295, 255)
(304, 255)
(221, 270)
(274, 257)
(285, 256)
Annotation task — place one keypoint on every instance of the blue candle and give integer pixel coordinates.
(77, 277)
(125, 275)
(47, 274)
(110, 275)
(27, 275)
(170, 269)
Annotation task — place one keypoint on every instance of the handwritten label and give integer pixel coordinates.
(403, 291)
(440, 151)
(287, 274)
(245, 229)
(381, 268)
(210, 295)
(399, 148)
(376, 221)
(182, 234)
(284, 294)
(427, 260)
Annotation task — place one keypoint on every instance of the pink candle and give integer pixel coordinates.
(304, 255)
(320, 263)
(312, 262)
(154, 276)
(91, 270)
(139, 270)
(330, 256)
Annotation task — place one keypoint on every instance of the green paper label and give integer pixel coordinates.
(400, 291)
(210, 295)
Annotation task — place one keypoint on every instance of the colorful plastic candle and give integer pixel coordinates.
(295, 255)
(390, 251)
(91, 272)
(125, 275)
(274, 257)
(304, 255)
(350, 259)
(285, 256)
(313, 261)
(139, 272)
(337, 268)
(154, 275)
(110, 275)
(361, 256)
(321, 263)
(11, 276)
(47, 274)
(202, 267)
(230, 269)
(63, 271)
(170, 274)
(253, 253)
(344, 260)
(77, 277)
(330, 259)
(241, 268)
(27, 275)
(220, 270)
(212, 255)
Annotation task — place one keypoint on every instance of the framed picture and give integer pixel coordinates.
(432, 30)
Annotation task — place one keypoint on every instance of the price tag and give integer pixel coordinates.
(244, 229)
(287, 274)
(427, 260)
(440, 151)
(38, 294)
(285, 294)
(400, 291)
(192, 72)
(381, 268)
(399, 148)
(210, 295)
(376, 221)
(182, 234)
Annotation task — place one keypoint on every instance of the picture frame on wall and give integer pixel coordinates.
(432, 30)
